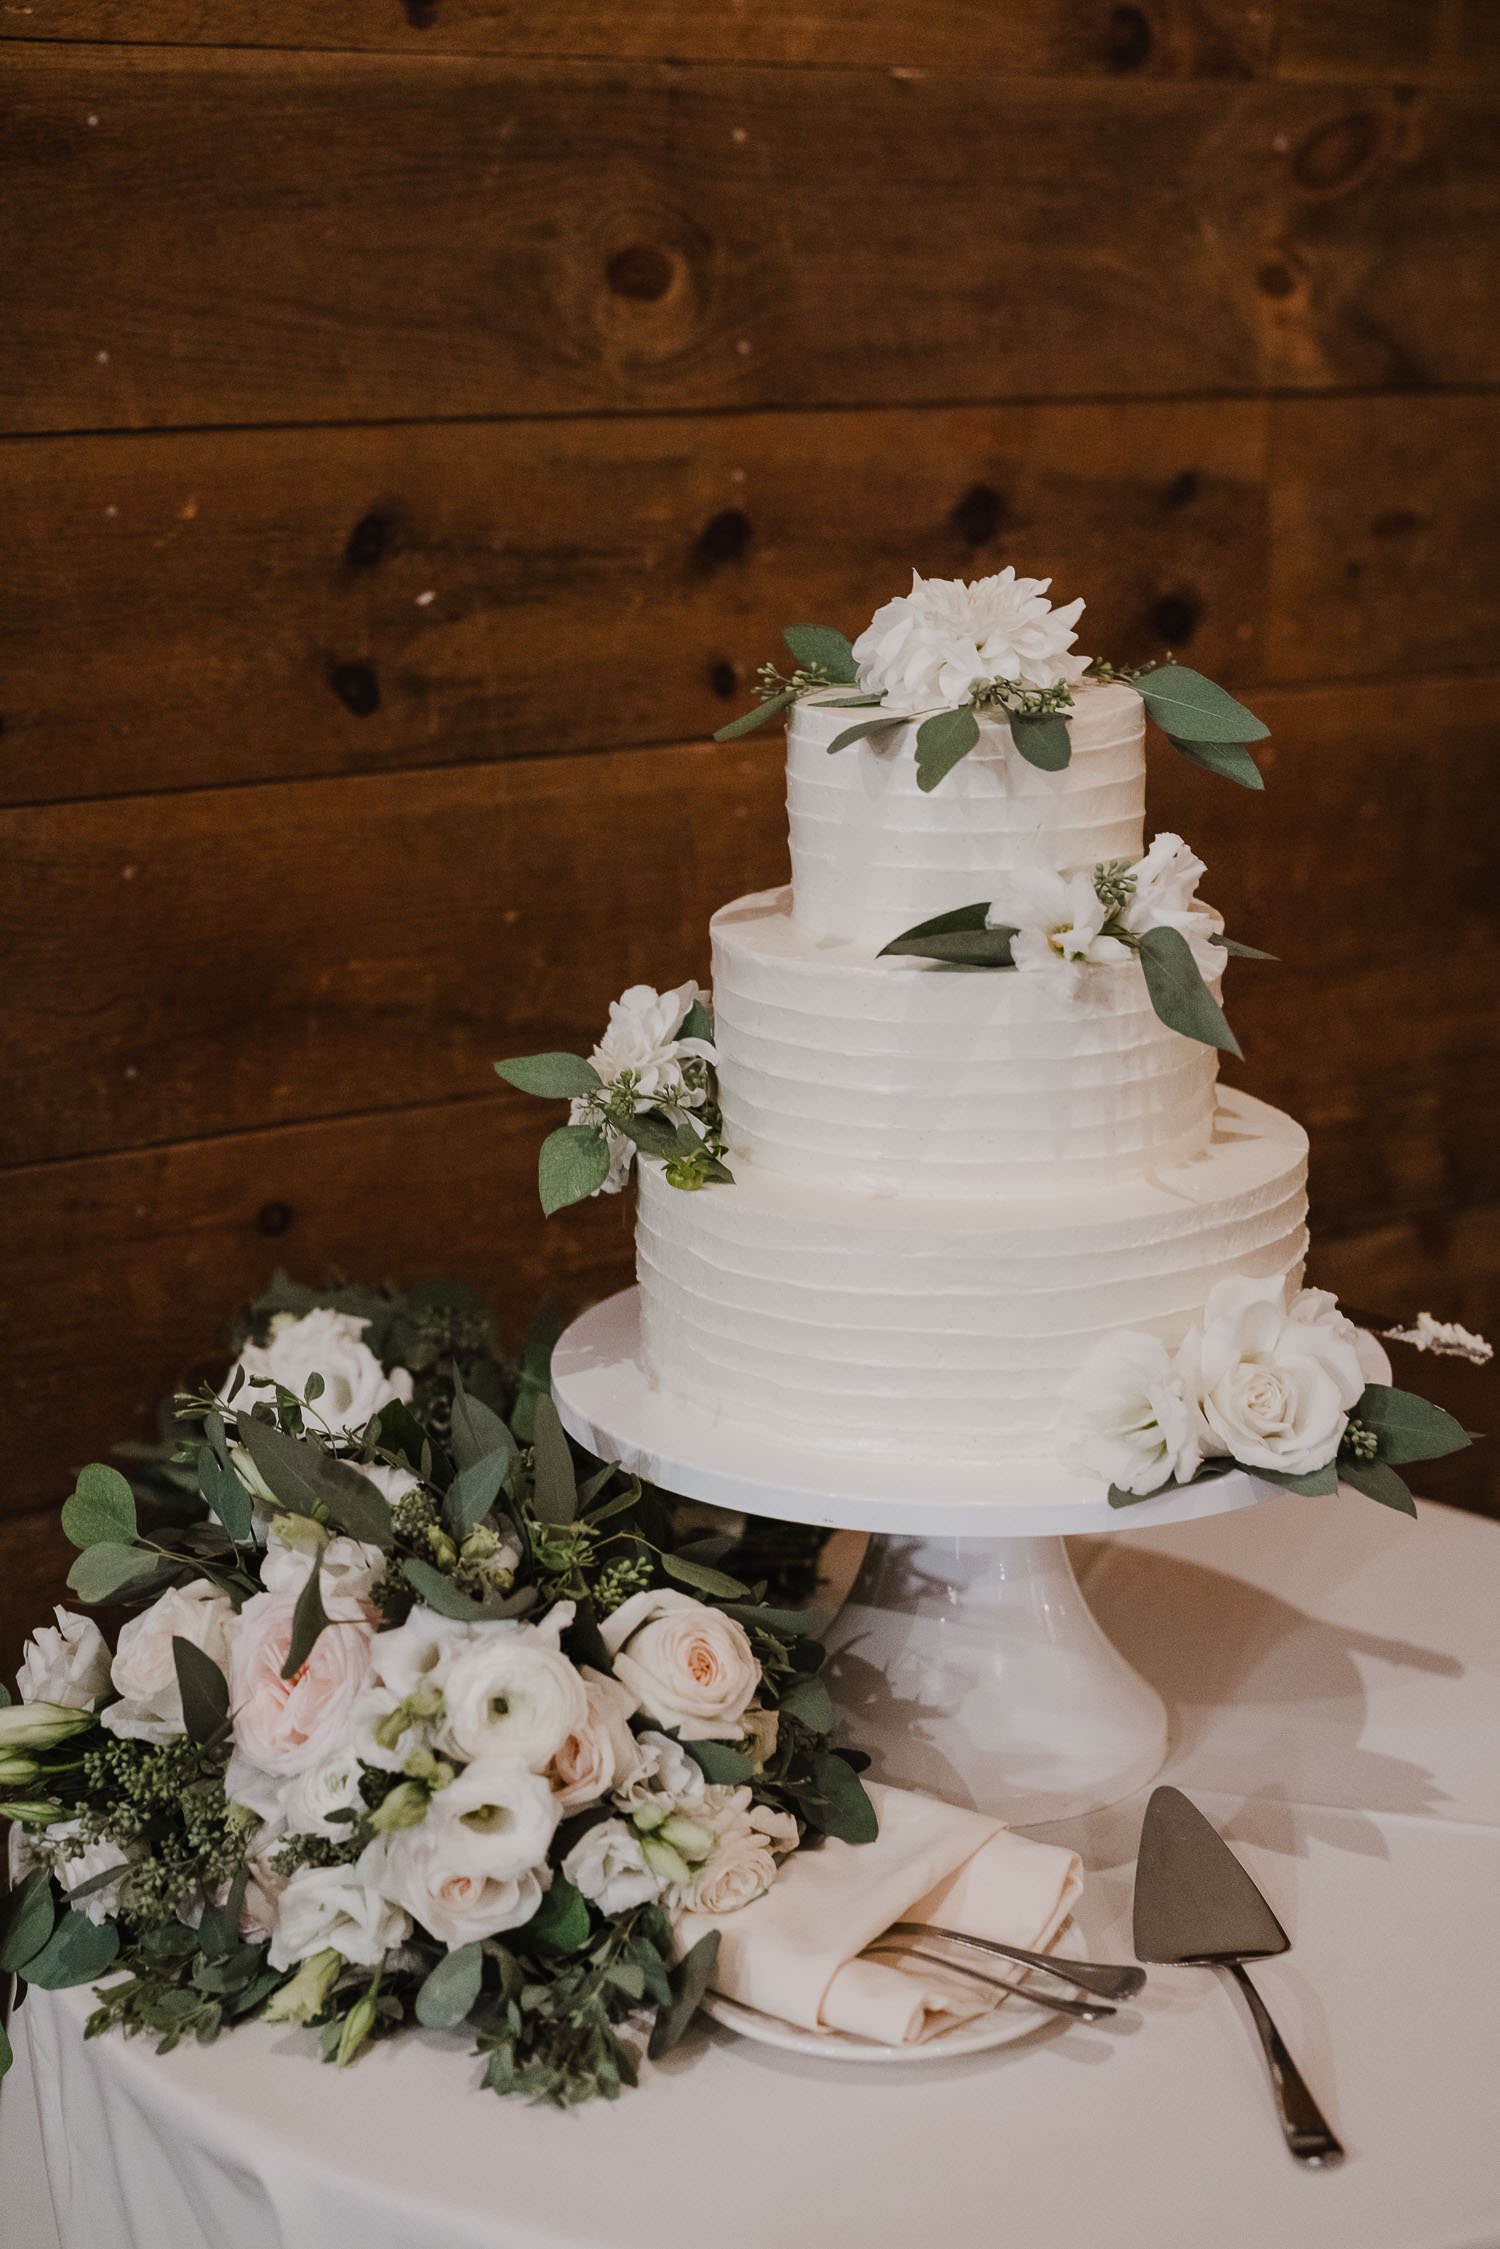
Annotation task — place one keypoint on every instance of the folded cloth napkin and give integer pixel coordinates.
(794, 1952)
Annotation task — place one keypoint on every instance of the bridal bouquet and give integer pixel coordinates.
(417, 1719)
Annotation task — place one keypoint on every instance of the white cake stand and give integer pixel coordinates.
(966, 1659)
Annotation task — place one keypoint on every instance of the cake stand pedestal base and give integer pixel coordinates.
(974, 1669)
(966, 1660)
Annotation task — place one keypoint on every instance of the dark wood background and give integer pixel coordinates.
(421, 415)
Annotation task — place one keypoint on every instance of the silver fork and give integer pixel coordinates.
(1106, 1981)
(1081, 2010)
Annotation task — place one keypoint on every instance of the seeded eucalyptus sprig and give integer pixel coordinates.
(824, 658)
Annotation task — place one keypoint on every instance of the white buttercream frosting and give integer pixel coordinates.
(872, 853)
(927, 1325)
(902, 1076)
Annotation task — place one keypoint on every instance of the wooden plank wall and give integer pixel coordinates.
(416, 421)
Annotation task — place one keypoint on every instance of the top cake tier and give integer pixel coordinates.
(872, 854)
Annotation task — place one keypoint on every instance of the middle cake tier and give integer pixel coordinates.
(838, 1068)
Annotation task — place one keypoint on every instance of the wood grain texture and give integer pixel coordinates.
(142, 1261)
(461, 236)
(190, 609)
(1427, 42)
(34, 1563)
(1168, 38)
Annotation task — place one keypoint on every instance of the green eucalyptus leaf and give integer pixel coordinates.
(720, 1762)
(820, 645)
(536, 1367)
(838, 1804)
(1121, 1498)
(396, 1429)
(7, 2051)
(1193, 709)
(942, 741)
(979, 948)
(748, 721)
(810, 1701)
(78, 1951)
(851, 702)
(309, 1481)
(573, 1164)
(474, 1491)
(865, 730)
(698, 1023)
(27, 1919)
(1042, 738)
(225, 1495)
(1237, 951)
(1178, 993)
(478, 1432)
(104, 1573)
(689, 1980)
(1409, 1427)
(554, 1492)
(439, 1593)
(656, 1135)
(309, 1618)
(1231, 759)
(101, 1508)
(703, 1579)
(1377, 1479)
(204, 1689)
(560, 1923)
(451, 1989)
(945, 925)
(555, 1077)
(1314, 1485)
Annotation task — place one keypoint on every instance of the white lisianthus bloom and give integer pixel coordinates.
(511, 1693)
(602, 1756)
(608, 1865)
(1129, 1418)
(690, 1666)
(355, 1385)
(928, 649)
(311, 1797)
(66, 1663)
(1319, 1308)
(76, 1863)
(476, 1865)
(1059, 923)
(144, 1670)
(1273, 1392)
(642, 1037)
(418, 1653)
(347, 1566)
(1165, 896)
(666, 1777)
(340, 1907)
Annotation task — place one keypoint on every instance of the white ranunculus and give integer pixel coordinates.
(418, 1653)
(312, 1797)
(608, 1865)
(341, 1907)
(665, 1776)
(691, 1667)
(477, 1863)
(355, 1385)
(75, 1866)
(928, 649)
(65, 1663)
(1059, 922)
(144, 1670)
(602, 1756)
(511, 1693)
(740, 1869)
(346, 1566)
(1319, 1308)
(1129, 1418)
(1273, 1392)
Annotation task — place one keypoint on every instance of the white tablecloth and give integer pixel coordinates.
(1332, 1673)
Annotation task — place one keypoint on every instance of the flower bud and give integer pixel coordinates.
(444, 1552)
(17, 1769)
(647, 1818)
(358, 2024)
(406, 1806)
(307, 1993)
(40, 1725)
(480, 1544)
(688, 1836)
(32, 1812)
(663, 1860)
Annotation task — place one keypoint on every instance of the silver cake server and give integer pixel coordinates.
(1195, 1905)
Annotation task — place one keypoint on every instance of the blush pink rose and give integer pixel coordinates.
(284, 1726)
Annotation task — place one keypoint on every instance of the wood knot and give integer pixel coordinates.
(1274, 278)
(1331, 160)
(1182, 489)
(641, 272)
(979, 515)
(420, 14)
(275, 1218)
(369, 541)
(723, 539)
(723, 679)
(1128, 39)
(1176, 617)
(356, 687)
(1396, 523)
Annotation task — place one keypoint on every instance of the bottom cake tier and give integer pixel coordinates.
(918, 1326)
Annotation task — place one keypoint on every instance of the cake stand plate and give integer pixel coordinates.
(966, 1659)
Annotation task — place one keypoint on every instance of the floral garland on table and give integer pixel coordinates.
(1063, 925)
(952, 650)
(413, 1723)
(1287, 1389)
(648, 1088)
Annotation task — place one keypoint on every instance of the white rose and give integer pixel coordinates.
(66, 1663)
(341, 1907)
(665, 1776)
(477, 1863)
(642, 1038)
(602, 1755)
(928, 649)
(286, 1726)
(1128, 1417)
(347, 1565)
(691, 1667)
(1273, 1392)
(144, 1671)
(355, 1385)
(741, 1868)
(511, 1694)
(1059, 922)
(1319, 1308)
(609, 1867)
(76, 1866)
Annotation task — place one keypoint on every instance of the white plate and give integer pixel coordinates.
(1002, 2026)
